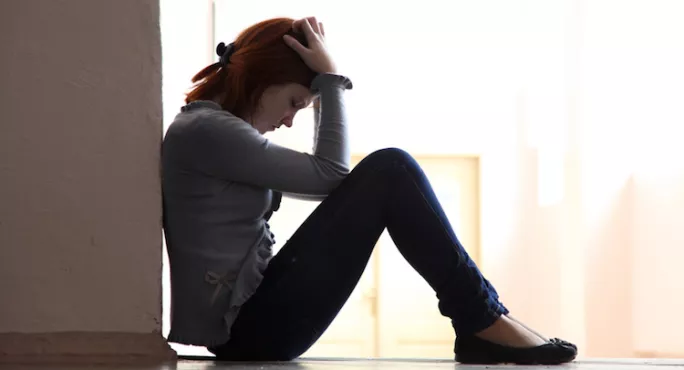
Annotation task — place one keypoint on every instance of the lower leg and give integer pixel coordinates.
(422, 233)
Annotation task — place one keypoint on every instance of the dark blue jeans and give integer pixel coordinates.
(310, 279)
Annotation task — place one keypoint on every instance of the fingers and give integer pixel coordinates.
(294, 44)
(314, 24)
(316, 27)
(309, 32)
(298, 24)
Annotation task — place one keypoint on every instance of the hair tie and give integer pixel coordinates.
(225, 51)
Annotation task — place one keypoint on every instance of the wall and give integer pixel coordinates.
(658, 216)
(80, 206)
(187, 39)
(658, 298)
(580, 214)
(634, 85)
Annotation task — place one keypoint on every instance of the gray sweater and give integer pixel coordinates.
(221, 181)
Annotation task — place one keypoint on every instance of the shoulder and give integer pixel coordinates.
(202, 118)
(210, 134)
(206, 122)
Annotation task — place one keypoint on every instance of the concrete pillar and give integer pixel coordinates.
(80, 199)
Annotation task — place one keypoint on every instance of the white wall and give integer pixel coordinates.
(574, 108)
(634, 86)
(187, 47)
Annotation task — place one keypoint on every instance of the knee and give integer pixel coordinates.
(389, 156)
(386, 164)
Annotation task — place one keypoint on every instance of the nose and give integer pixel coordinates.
(289, 119)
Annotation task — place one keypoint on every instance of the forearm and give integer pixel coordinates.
(305, 197)
(331, 133)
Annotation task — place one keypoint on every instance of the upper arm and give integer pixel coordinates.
(226, 147)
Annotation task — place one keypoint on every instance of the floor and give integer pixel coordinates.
(363, 365)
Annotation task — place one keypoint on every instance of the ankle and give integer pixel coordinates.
(507, 332)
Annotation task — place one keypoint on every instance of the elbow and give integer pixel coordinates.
(331, 174)
(340, 171)
(335, 177)
(344, 171)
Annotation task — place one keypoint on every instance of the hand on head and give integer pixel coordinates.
(315, 55)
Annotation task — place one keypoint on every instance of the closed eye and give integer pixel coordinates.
(298, 104)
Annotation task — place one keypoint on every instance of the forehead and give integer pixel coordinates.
(296, 91)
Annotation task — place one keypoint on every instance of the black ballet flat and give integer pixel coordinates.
(473, 350)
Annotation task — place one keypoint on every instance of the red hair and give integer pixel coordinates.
(261, 59)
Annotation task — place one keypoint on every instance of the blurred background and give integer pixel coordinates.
(551, 131)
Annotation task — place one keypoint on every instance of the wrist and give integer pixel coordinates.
(327, 81)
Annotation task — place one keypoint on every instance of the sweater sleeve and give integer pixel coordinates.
(227, 147)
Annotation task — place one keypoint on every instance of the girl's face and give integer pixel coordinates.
(278, 106)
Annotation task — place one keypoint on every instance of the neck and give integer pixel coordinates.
(218, 99)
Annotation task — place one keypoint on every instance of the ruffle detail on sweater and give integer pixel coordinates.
(249, 278)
